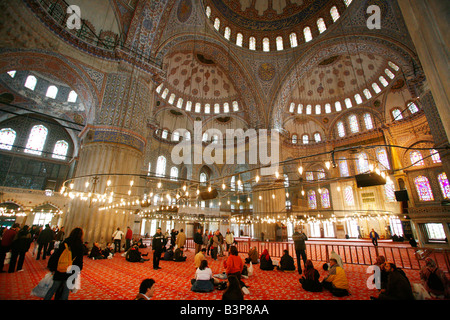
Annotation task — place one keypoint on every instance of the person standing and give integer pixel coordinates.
(229, 239)
(60, 288)
(158, 244)
(59, 237)
(300, 248)
(7, 240)
(117, 237)
(181, 239)
(374, 237)
(215, 245)
(45, 237)
(198, 240)
(128, 238)
(19, 248)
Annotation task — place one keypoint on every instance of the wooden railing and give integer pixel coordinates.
(358, 254)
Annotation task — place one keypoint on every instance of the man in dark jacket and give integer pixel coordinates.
(158, 245)
(300, 248)
(398, 286)
(19, 248)
(45, 237)
(198, 240)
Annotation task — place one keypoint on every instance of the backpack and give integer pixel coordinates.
(65, 260)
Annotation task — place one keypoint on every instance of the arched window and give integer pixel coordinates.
(293, 40)
(279, 40)
(321, 174)
(52, 91)
(173, 173)
(188, 105)
(305, 139)
(180, 103)
(327, 108)
(389, 73)
(216, 108)
(308, 109)
(343, 167)
(413, 107)
(217, 24)
(348, 196)
(321, 25)
(207, 108)
(60, 150)
(227, 33)
(325, 198)
(205, 137)
(445, 186)
(226, 107)
(397, 114)
(252, 43)
(165, 134)
(348, 103)
(367, 94)
(266, 44)
(7, 138)
(171, 98)
(368, 121)
(376, 87)
(334, 13)
(318, 109)
(307, 33)
(337, 106)
(309, 176)
(198, 107)
(233, 183)
(317, 137)
(176, 136)
(416, 158)
(393, 66)
(383, 159)
(389, 191)
(159, 88)
(239, 39)
(312, 201)
(383, 81)
(187, 136)
(353, 122)
(36, 140)
(235, 106)
(161, 166)
(208, 11)
(294, 139)
(300, 108)
(423, 188)
(358, 98)
(362, 163)
(341, 129)
(30, 83)
(435, 156)
(73, 96)
(165, 93)
(292, 107)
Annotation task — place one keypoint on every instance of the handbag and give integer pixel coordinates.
(41, 289)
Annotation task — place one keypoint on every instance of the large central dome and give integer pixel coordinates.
(268, 15)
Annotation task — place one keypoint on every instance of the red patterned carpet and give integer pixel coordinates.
(117, 279)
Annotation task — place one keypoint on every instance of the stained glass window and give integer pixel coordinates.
(216, 108)
(321, 174)
(383, 81)
(292, 107)
(165, 93)
(7, 138)
(362, 163)
(435, 231)
(165, 134)
(159, 88)
(307, 33)
(60, 150)
(389, 73)
(383, 159)
(176, 136)
(198, 107)
(226, 107)
(171, 98)
(266, 44)
(208, 11)
(203, 177)
(294, 138)
(12, 73)
(239, 39)
(252, 43)
(397, 114)
(337, 106)
(317, 137)
(353, 121)
(423, 188)
(161, 166)
(443, 183)
(416, 158)
(368, 121)
(343, 168)
(305, 139)
(227, 33)
(376, 87)
(180, 103)
(389, 191)
(52, 91)
(413, 107)
(279, 43)
(308, 109)
(321, 25)
(36, 140)
(435, 156)
(318, 109)
(72, 97)
(327, 108)
(393, 66)
(348, 196)
(235, 106)
(367, 94)
(207, 108)
(348, 103)
(312, 201)
(293, 39)
(188, 105)
(300, 108)
(325, 198)
(341, 129)
(347, 2)
(358, 98)
(30, 83)
(217, 24)
(309, 176)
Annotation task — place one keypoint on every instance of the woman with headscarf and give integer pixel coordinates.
(265, 261)
(434, 279)
(310, 279)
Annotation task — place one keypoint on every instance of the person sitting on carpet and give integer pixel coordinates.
(266, 261)
(96, 252)
(134, 255)
(178, 256)
(234, 265)
(336, 281)
(146, 290)
(310, 279)
(108, 252)
(168, 255)
(252, 256)
(204, 281)
(434, 279)
(398, 286)
(286, 262)
(199, 257)
(234, 290)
